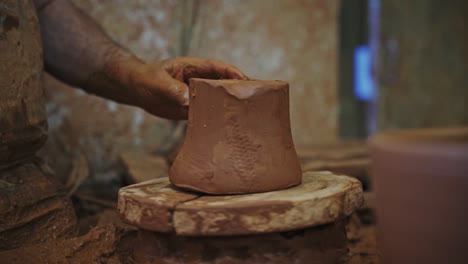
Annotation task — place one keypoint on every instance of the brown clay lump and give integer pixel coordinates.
(238, 138)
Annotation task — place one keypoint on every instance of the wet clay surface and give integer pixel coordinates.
(322, 198)
(238, 139)
(323, 244)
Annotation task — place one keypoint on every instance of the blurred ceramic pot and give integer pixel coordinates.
(421, 184)
(238, 138)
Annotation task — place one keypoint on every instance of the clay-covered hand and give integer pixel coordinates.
(162, 87)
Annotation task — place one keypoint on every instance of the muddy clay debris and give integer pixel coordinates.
(105, 244)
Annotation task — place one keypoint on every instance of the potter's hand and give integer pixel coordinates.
(162, 87)
(78, 52)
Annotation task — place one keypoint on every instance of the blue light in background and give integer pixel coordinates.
(363, 85)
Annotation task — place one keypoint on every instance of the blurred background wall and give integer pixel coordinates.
(294, 41)
(421, 64)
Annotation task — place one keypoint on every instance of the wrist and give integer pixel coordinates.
(113, 79)
(119, 65)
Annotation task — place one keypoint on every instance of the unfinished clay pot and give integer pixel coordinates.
(421, 182)
(238, 138)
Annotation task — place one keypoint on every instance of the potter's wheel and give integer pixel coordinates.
(323, 197)
(302, 224)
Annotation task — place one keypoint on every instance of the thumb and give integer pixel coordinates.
(176, 90)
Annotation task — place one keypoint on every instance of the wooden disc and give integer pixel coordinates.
(323, 197)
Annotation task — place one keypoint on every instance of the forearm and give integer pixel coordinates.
(77, 51)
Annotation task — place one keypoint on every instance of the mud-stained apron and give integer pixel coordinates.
(32, 206)
(23, 124)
